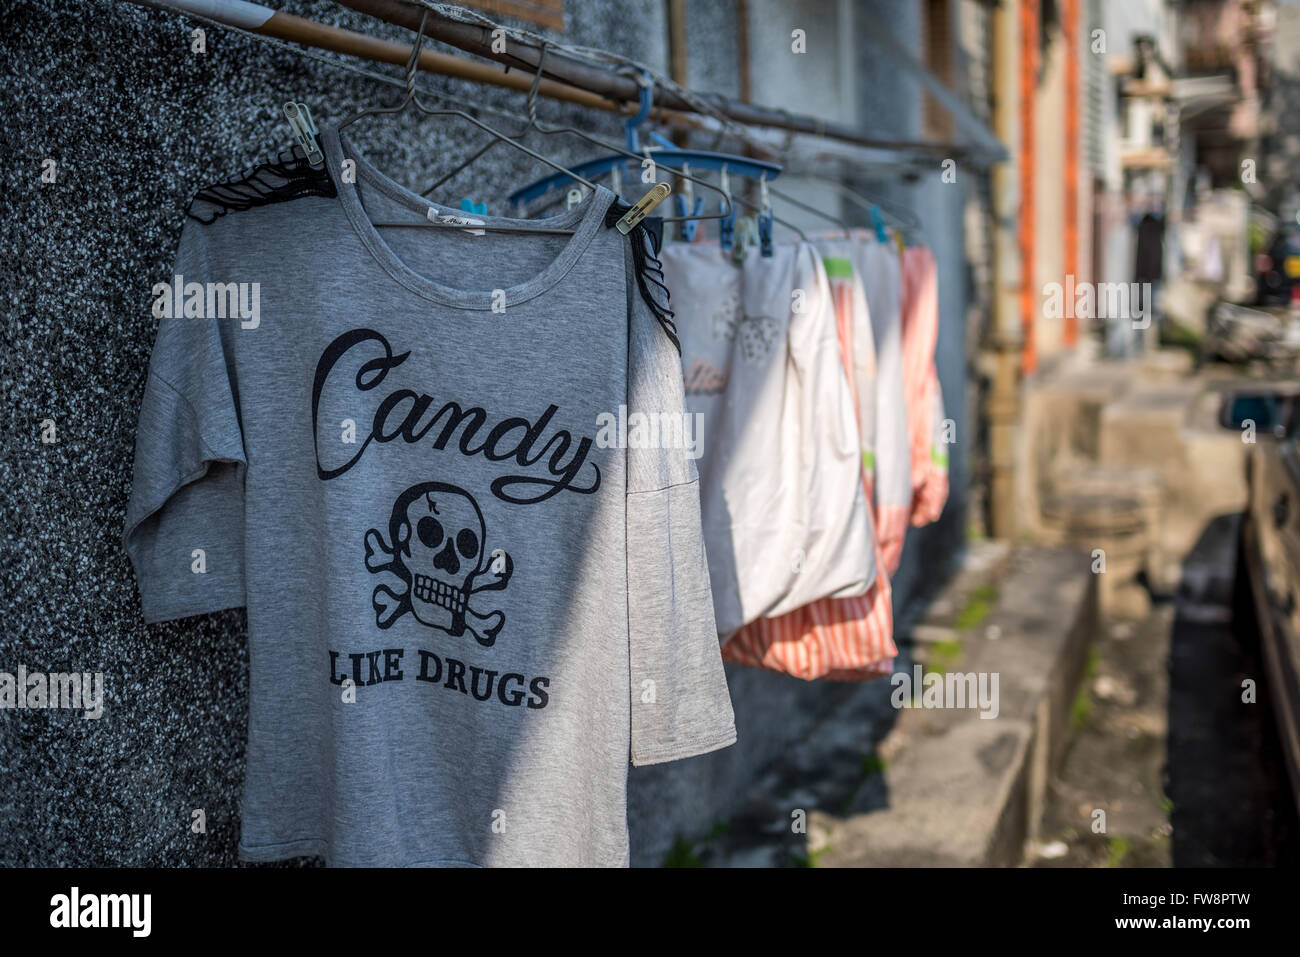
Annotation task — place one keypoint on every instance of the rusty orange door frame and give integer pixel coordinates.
(1070, 42)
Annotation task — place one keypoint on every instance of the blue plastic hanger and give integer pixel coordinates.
(668, 155)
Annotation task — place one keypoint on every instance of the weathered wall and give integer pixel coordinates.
(135, 122)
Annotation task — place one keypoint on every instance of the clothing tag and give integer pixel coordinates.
(452, 220)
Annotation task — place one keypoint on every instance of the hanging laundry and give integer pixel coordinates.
(878, 265)
(857, 346)
(920, 330)
(932, 496)
(840, 639)
(785, 516)
(848, 639)
(463, 608)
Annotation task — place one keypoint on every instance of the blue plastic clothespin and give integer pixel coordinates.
(764, 220)
(726, 225)
(878, 223)
(469, 206)
(689, 226)
(687, 204)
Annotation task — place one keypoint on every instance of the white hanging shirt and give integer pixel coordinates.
(783, 508)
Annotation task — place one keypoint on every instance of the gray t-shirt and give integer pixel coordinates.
(466, 610)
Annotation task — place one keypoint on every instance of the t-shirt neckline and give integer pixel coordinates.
(585, 219)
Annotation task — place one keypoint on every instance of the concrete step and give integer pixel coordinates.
(945, 786)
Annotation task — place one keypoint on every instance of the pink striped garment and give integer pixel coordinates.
(920, 308)
(842, 639)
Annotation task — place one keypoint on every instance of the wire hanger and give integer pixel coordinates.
(411, 99)
(904, 218)
(787, 198)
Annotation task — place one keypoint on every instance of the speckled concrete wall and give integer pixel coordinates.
(134, 122)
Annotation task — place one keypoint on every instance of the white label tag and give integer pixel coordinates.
(450, 220)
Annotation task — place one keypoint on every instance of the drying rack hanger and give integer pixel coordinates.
(725, 163)
(741, 165)
(591, 168)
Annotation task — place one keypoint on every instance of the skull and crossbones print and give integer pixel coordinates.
(437, 548)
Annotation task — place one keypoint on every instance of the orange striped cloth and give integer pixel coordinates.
(920, 309)
(892, 522)
(841, 639)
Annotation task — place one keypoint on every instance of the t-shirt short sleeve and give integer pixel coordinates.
(680, 703)
(184, 528)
